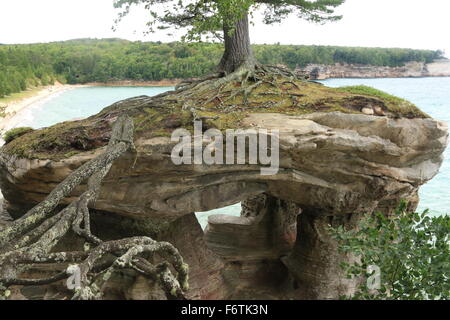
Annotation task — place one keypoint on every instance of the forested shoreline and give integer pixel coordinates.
(90, 60)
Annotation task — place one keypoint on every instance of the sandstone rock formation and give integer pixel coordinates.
(337, 163)
(439, 68)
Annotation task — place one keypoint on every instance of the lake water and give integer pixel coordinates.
(432, 95)
(80, 103)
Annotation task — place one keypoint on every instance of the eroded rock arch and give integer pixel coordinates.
(334, 167)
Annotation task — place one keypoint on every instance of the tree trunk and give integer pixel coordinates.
(238, 52)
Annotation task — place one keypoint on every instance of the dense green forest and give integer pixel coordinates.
(89, 60)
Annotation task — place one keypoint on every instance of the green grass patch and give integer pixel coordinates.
(15, 133)
(394, 104)
(369, 91)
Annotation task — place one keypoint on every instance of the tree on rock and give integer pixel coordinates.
(228, 20)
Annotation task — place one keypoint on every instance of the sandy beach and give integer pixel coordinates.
(12, 117)
(13, 108)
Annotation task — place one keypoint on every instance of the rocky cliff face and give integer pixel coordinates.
(439, 68)
(343, 154)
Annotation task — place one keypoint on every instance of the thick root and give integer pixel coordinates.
(30, 239)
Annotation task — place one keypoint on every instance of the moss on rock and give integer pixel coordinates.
(12, 134)
(220, 105)
(60, 141)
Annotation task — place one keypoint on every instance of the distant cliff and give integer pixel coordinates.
(438, 68)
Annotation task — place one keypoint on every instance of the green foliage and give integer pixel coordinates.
(300, 56)
(411, 250)
(87, 60)
(21, 67)
(15, 133)
(206, 18)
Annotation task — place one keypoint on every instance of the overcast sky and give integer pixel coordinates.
(373, 23)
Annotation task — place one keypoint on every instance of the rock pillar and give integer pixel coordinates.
(315, 261)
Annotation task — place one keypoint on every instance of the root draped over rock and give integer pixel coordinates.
(30, 239)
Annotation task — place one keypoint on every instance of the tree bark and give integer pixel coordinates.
(238, 52)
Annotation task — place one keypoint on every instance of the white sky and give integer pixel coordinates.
(422, 24)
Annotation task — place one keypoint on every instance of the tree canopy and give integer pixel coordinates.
(209, 17)
(227, 20)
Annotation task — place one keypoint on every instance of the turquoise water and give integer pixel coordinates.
(233, 210)
(432, 95)
(80, 103)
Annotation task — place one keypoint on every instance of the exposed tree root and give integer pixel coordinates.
(247, 78)
(31, 239)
